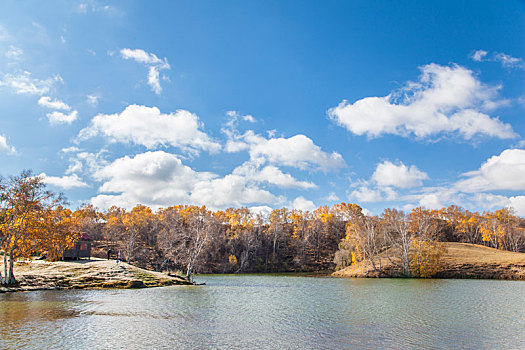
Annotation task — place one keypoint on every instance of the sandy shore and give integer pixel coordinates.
(84, 274)
(462, 260)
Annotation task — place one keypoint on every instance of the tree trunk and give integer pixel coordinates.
(11, 277)
(189, 271)
(4, 279)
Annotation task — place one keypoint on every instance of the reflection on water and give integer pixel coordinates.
(272, 312)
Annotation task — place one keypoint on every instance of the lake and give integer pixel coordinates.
(272, 312)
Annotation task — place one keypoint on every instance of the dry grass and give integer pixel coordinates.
(82, 274)
(461, 260)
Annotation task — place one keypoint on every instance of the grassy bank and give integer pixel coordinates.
(84, 274)
(461, 260)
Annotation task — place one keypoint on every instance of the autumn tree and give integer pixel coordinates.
(57, 230)
(24, 201)
(364, 241)
(186, 235)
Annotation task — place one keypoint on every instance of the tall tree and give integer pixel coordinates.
(24, 201)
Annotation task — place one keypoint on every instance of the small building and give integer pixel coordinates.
(81, 249)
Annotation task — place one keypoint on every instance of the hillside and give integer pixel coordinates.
(462, 260)
(82, 274)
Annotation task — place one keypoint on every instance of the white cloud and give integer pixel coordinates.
(66, 182)
(263, 210)
(62, 118)
(332, 197)
(518, 203)
(390, 174)
(82, 8)
(443, 100)
(94, 6)
(142, 56)
(231, 191)
(5, 147)
(46, 101)
(92, 100)
(430, 201)
(149, 127)
(150, 60)
(71, 149)
(508, 61)
(304, 204)
(159, 179)
(297, 151)
(24, 84)
(4, 35)
(270, 174)
(502, 172)
(14, 53)
(478, 55)
(153, 80)
(365, 193)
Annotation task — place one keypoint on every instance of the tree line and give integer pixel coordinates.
(194, 239)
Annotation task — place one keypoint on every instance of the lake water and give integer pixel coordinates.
(272, 312)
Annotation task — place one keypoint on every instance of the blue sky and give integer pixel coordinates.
(267, 104)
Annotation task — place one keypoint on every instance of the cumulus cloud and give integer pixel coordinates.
(445, 99)
(430, 201)
(271, 175)
(46, 101)
(5, 147)
(66, 182)
(304, 204)
(61, 118)
(501, 172)
(23, 83)
(160, 179)
(149, 127)
(386, 176)
(298, 151)
(365, 192)
(332, 197)
(150, 60)
(403, 185)
(398, 175)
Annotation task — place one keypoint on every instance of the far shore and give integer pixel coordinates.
(86, 274)
(461, 260)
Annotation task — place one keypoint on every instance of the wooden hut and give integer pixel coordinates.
(81, 249)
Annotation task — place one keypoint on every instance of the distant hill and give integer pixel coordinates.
(462, 260)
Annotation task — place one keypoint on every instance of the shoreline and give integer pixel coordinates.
(86, 274)
(461, 261)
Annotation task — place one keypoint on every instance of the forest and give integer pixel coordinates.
(193, 239)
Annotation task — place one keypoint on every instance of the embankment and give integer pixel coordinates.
(85, 274)
(461, 260)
